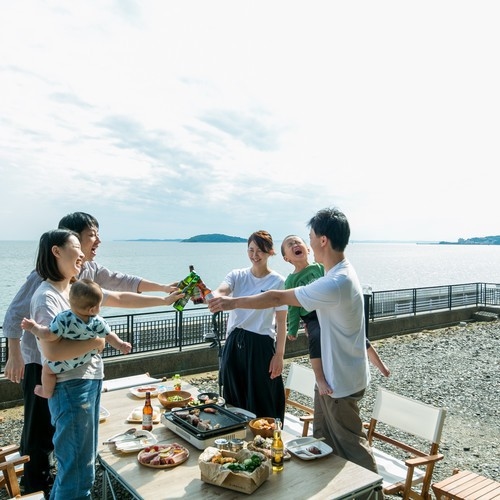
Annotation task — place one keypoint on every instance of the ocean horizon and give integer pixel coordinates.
(380, 265)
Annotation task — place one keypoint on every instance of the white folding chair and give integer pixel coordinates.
(301, 380)
(413, 418)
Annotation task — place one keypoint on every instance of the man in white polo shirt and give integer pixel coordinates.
(337, 298)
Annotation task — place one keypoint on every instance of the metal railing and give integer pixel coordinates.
(412, 301)
(148, 332)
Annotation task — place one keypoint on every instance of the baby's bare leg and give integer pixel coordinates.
(49, 380)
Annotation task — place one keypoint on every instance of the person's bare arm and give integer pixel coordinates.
(222, 290)
(136, 300)
(114, 341)
(68, 349)
(42, 332)
(276, 365)
(151, 286)
(14, 368)
(265, 300)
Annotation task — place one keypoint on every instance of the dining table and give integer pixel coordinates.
(328, 477)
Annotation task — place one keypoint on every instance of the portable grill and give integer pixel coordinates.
(229, 425)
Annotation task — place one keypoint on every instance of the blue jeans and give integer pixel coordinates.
(74, 408)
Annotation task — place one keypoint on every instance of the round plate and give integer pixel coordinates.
(140, 392)
(181, 449)
(132, 418)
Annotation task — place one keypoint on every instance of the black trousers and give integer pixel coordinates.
(36, 438)
(246, 379)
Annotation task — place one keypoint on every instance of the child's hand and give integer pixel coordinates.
(27, 324)
(293, 338)
(125, 347)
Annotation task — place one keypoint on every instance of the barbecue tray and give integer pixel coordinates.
(226, 419)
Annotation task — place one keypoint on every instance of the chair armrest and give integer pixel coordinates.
(7, 450)
(415, 462)
(13, 463)
(306, 418)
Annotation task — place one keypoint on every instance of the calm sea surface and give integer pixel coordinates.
(383, 266)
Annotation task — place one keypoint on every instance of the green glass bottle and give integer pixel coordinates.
(188, 292)
(185, 282)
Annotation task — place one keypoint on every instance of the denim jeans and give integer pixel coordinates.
(75, 415)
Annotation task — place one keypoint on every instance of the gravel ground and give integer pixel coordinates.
(456, 368)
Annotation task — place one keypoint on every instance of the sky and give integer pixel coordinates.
(170, 119)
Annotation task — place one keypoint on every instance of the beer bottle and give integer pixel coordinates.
(179, 304)
(177, 382)
(277, 447)
(205, 293)
(185, 282)
(147, 414)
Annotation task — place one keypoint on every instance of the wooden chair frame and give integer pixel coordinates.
(415, 418)
(11, 468)
(302, 380)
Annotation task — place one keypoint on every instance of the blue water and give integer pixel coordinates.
(383, 266)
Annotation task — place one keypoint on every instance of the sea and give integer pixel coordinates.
(381, 266)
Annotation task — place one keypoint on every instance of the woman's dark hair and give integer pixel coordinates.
(263, 240)
(332, 223)
(46, 262)
(78, 221)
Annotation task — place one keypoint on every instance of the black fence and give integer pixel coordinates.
(412, 301)
(171, 329)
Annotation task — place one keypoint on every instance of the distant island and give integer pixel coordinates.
(214, 238)
(200, 238)
(484, 240)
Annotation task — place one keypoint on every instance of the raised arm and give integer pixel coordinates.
(136, 300)
(151, 286)
(265, 300)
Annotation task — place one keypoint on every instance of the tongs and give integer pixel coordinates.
(128, 432)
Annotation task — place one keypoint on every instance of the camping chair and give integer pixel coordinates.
(11, 468)
(413, 418)
(302, 380)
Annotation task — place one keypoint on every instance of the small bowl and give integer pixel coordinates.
(264, 432)
(211, 397)
(174, 399)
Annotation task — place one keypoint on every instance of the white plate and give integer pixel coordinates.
(242, 412)
(299, 445)
(103, 414)
(136, 442)
(140, 391)
(135, 416)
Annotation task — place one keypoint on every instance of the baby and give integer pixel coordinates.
(81, 322)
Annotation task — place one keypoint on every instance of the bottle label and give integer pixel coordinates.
(147, 421)
(277, 457)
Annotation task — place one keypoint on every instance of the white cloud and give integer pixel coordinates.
(171, 119)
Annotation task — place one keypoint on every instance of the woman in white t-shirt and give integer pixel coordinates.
(252, 360)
